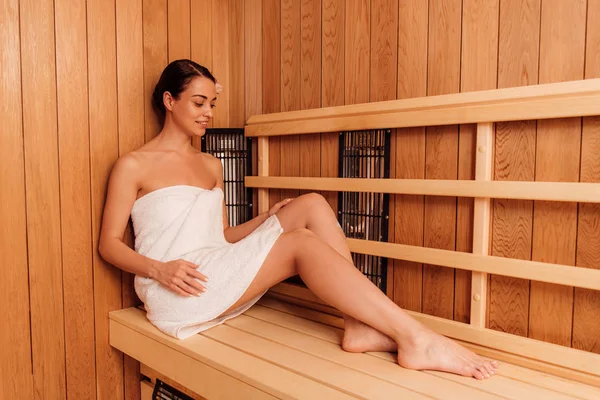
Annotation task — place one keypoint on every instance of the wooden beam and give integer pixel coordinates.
(534, 270)
(542, 108)
(263, 171)
(490, 97)
(481, 222)
(551, 191)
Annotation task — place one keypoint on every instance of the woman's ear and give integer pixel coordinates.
(168, 101)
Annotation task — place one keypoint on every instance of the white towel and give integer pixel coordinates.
(186, 222)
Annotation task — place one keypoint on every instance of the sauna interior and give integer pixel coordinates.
(76, 82)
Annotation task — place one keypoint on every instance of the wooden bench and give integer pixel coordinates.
(288, 346)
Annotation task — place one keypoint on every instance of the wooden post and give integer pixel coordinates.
(263, 170)
(481, 222)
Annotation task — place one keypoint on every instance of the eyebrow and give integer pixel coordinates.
(204, 97)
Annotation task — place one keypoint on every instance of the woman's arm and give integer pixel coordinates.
(121, 194)
(236, 233)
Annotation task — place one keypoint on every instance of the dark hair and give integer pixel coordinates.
(174, 79)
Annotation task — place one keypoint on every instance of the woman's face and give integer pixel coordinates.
(192, 111)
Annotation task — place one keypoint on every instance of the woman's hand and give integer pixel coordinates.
(278, 206)
(181, 276)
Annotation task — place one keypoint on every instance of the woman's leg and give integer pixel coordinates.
(311, 211)
(335, 280)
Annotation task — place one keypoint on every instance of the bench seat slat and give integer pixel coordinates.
(337, 376)
(327, 327)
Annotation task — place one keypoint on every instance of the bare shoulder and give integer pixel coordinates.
(212, 162)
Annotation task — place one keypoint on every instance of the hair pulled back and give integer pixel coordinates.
(174, 79)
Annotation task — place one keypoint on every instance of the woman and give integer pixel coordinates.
(193, 271)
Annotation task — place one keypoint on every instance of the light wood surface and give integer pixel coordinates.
(555, 191)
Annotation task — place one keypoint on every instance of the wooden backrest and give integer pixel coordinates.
(560, 100)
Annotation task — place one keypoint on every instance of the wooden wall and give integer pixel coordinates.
(76, 78)
(334, 52)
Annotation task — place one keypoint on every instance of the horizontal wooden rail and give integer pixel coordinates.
(552, 191)
(543, 108)
(524, 269)
(494, 96)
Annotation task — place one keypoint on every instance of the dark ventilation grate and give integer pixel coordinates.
(235, 152)
(365, 154)
(162, 391)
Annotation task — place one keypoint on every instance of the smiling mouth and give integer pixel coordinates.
(203, 124)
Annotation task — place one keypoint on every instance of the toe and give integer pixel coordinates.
(483, 371)
(477, 374)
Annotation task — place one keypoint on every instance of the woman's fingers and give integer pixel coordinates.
(190, 288)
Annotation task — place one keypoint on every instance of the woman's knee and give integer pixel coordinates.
(315, 202)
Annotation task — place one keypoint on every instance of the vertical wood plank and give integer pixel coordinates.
(481, 222)
(43, 197)
(14, 286)
(201, 42)
(253, 58)
(104, 150)
(236, 64)
(179, 30)
(221, 61)
(479, 66)
(290, 86)
(253, 82)
(441, 154)
(130, 84)
(271, 78)
(332, 83)
(155, 58)
(383, 76)
(310, 85)
(562, 43)
(413, 17)
(75, 185)
(514, 160)
(586, 313)
(358, 51)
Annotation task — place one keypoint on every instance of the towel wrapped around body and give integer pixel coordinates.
(186, 222)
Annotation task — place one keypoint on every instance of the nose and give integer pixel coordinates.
(209, 112)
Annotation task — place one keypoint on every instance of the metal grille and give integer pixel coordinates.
(365, 154)
(235, 152)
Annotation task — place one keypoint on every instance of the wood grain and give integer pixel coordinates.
(586, 313)
(130, 84)
(237, 71)
(14, 287)
(104, 150)
(441, 155)
(221, 59)
(562, 41)
(512, 220)
(358, 51)
(253, 57)
(271, 78)
(310, 84)
(479, 68)
(413, 18)
(75, 185)
(38, 63)
(154, 23)
(332, 82)
(178, 29)
(290, 85)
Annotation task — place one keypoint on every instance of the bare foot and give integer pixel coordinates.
(430, 351)
(360, 337)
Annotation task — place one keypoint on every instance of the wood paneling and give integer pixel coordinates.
(43, 197)
(237, 71)
(271, 79)
(479, 66)
(413, 17)
(512, 221)
(441, 154)
(310, 84)
(154, 16)
(104, 150)
(75, 185)
(586, 310)
(14, 286)
(179, 30)
(562, 44)
(221, 60)
(332, 82)
(358, 51)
